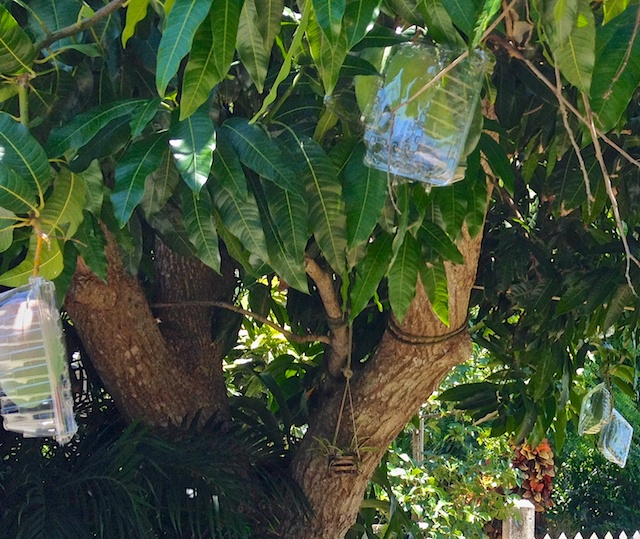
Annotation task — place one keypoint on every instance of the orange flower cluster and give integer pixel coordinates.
(538, 471)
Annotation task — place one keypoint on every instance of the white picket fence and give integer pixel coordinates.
(623, 535)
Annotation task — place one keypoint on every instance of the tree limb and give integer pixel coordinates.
(300, 339)
(79, 26)
(340, 344)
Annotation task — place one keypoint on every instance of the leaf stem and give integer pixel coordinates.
(23, 102)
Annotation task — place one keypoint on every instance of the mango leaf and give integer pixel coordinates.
(409, 10)
(328, 55)
(575, 57)
(62, 213)
(290, 269)
(136, 12)
(227, 168)
(476, 194)
(290, 214)
(211, 55)
(613, 8)
(51, 264)
(364, 193)
(358, 18)
(464, 391)
(23, 153)
(434, 280)
(17, 52)
(369, 272)
(241, 217)
(269, 20)
(16, 194)
(90, 243)
(452, 203)
(250, 45)
(438, 22)
(85, 126)
(257, 151)
(169, 225)
(622, 297)
(403, 276)
(575, 295)
(489, 10)
(160, 185)
(463, 13)
(324, 193)
(96, 188)
(560, 17)
(434, 240)
(182, 22)
(329, 16)
(197, 212)
(7, 220)
(140, 160)
(48, 16)
(108, 141)
(498, 161)
(143, 116)
(616, 73)
(192, 142)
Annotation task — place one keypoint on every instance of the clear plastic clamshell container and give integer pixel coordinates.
(417, 124)
(35, 391)
(615, 439)
(596, 410)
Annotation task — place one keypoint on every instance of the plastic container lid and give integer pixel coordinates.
(35, 396)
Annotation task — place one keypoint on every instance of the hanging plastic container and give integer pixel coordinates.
(595, 411)
(36, 397)
(615, 439)
(417, 128)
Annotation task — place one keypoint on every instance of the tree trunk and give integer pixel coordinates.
(407, 367)
(147, 377)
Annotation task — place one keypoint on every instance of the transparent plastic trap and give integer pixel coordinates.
(596, 410)
(615, 439)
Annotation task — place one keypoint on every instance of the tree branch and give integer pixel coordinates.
(79, 26)
(300, 339)
(340, 344)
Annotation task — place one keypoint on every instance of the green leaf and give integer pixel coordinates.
(623, 297)
(464, 391)
(143, 116)
(403, 277)
(324, 193)
(140, 160)
(96, 189)
(358, 18)
(292, 270)
(17, 52)
(409, 10)
(51, 264)
(23, 153)
(91, 245)
(48, 16)
(364, 193)
(192, 142)
(289, 214)
(498, 161)
(329, 16)
(211, 55)
(560, 19)
(435, 239)
(198, 220)
(182, 22)
(452, 203)
(160, 185)
(575, 57)
(227, 168)
(136, 12)
(439, 23)
(250, 45)
(369, 272)
(108, 141)
(575, 295)
(463, 14)
(327, 55)
(257, 151)
(616, 73)
(7, 220)
(489, 10)
(613, 8)
(434, 280)
(269, 16)
(475, 181)
(62, 213)
(85, 126)
(16, 194)
(170, 227)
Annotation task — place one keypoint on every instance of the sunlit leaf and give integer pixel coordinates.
(434, 280)
(136, 12)
(17, 52)
(329, 16)
(269, 16)
(160, 185)
(7, 219)
(51, 264)
(403, 276)
(358, 19)
(182, 22)
(328, 55)
(62, 213)
(16, 194)
(251, 46)
(435, 240)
